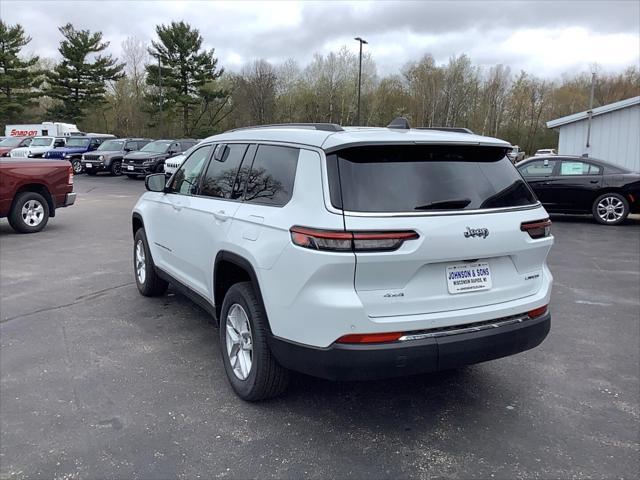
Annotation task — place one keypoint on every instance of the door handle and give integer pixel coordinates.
(594, 181)
(221, 215)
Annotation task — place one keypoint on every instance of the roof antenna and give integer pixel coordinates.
(400, 123)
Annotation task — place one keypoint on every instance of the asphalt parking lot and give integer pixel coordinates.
(100, 382)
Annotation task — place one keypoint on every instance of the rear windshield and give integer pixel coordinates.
(415, 178)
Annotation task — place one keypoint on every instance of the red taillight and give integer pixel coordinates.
(538, 312)
(70, 180)
(341, 241)
(537, 228)
(370, 337)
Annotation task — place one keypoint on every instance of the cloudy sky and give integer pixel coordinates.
(545, 37)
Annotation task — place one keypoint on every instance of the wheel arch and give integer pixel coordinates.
(136, 223)
(229, 269)
(37, 188)
(605, 190)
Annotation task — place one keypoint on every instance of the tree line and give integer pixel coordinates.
(174, 87)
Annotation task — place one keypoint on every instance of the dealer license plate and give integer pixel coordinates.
(88, 165)
(129, 167)
(470, 277)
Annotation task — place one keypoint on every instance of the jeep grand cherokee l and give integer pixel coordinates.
(349, 253)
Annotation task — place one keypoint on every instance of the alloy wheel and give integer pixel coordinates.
(239, 341)
(141, 271)
(610, 209)
(32, 213)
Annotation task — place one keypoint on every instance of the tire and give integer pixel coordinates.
(116, 168)
(91, 172)
(610, 209)
(266, 378)
(77, 166)
(147, 280)
(29, 213)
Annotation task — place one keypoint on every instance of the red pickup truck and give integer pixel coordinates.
(31, 191)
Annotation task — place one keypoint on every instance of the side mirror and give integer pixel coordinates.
(155, 182)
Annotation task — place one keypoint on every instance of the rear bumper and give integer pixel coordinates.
(433, 353)
(69, 199)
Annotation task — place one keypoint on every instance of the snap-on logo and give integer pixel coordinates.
(22, 133)
(476, 232)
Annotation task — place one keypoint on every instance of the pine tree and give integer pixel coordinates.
(78, 82)
(19, 80)
(186, 74)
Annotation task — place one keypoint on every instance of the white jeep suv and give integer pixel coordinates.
(349, 253)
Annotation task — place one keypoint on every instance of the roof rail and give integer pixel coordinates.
(447, 129)
(325, 127)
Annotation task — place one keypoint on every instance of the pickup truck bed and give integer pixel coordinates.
(31, 190)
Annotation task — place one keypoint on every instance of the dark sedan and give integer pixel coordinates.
(567, 184)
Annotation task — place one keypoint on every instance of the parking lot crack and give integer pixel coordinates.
(80, 299)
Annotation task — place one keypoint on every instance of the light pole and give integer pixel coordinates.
(160, 84)
(361, 40)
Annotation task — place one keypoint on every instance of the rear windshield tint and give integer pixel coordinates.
(414, 178)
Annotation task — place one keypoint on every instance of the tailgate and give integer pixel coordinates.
(414, 279)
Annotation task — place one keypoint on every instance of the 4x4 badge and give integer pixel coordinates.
(476, 232)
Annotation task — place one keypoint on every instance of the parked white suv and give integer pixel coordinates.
(349, 253)
(172, 164)
(38, 147)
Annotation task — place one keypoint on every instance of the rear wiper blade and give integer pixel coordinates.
(445, 204)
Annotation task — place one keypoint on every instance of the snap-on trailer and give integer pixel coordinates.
(44, 129)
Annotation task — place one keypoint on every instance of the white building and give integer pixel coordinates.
(615, 133)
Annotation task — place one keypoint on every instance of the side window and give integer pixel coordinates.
(578, 168)
(94, 143)
(131, 146)
(221, 178)
(185, 180)
(272, 175)
(27, 142)
(58, 142)
(540, 168)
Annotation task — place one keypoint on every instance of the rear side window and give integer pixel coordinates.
(538, 168)
(415, 178)
(272, 174)
(220, 180)
(568, 167)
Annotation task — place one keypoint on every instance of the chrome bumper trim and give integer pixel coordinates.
(468, 328)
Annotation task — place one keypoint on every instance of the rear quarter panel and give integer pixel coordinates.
(14, 175)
